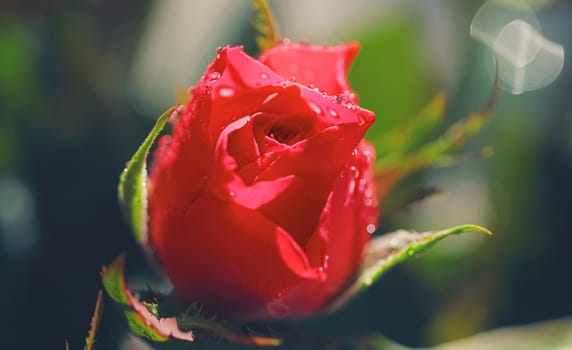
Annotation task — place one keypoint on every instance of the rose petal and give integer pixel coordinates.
(325, 67)
(183, 159)
(246, 259)
(348, 219)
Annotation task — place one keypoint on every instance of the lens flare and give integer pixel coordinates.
(525, 60)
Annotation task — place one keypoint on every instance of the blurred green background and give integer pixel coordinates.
(82, 81)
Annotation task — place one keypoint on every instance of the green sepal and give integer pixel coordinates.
(144, 318)
(113, 278)
(132, 187)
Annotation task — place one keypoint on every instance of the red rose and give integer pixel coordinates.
(261, 201)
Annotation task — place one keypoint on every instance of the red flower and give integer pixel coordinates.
(261, 202)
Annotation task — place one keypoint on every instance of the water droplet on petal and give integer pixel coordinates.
(367, 154)
(232, 193)
(322, 273)
(270, 97)
(370, 228)
(362, 185)
(333, 113)
(351, 189)
(263, 76)
(226, 92)
(315, 107)
(354, 170)
(214, 76)
(219, 49)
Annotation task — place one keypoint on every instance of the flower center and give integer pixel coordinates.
(283, 134)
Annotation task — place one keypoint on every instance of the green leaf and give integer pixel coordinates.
(410, 134)
(132, 187)
(265, 24)
(388, 250)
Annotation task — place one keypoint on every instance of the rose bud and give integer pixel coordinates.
(261, 201)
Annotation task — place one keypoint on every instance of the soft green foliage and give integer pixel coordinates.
(553, 335)
(411, 145)
(389, 74)
(132, 183)
(410, 134)
(265, 25)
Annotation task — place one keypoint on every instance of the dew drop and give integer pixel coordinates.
(333, 113)
(270, 97)
(263, 76)
(367, 154)
(214, 76)
(232, 193)
(355, 171)
(370, 228)
(315, 107)
(351, 188)
(394, 244)
(219, 49)
(226, 92)
(326, 261)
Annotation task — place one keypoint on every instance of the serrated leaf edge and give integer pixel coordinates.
(373, 269)
(132, 188)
